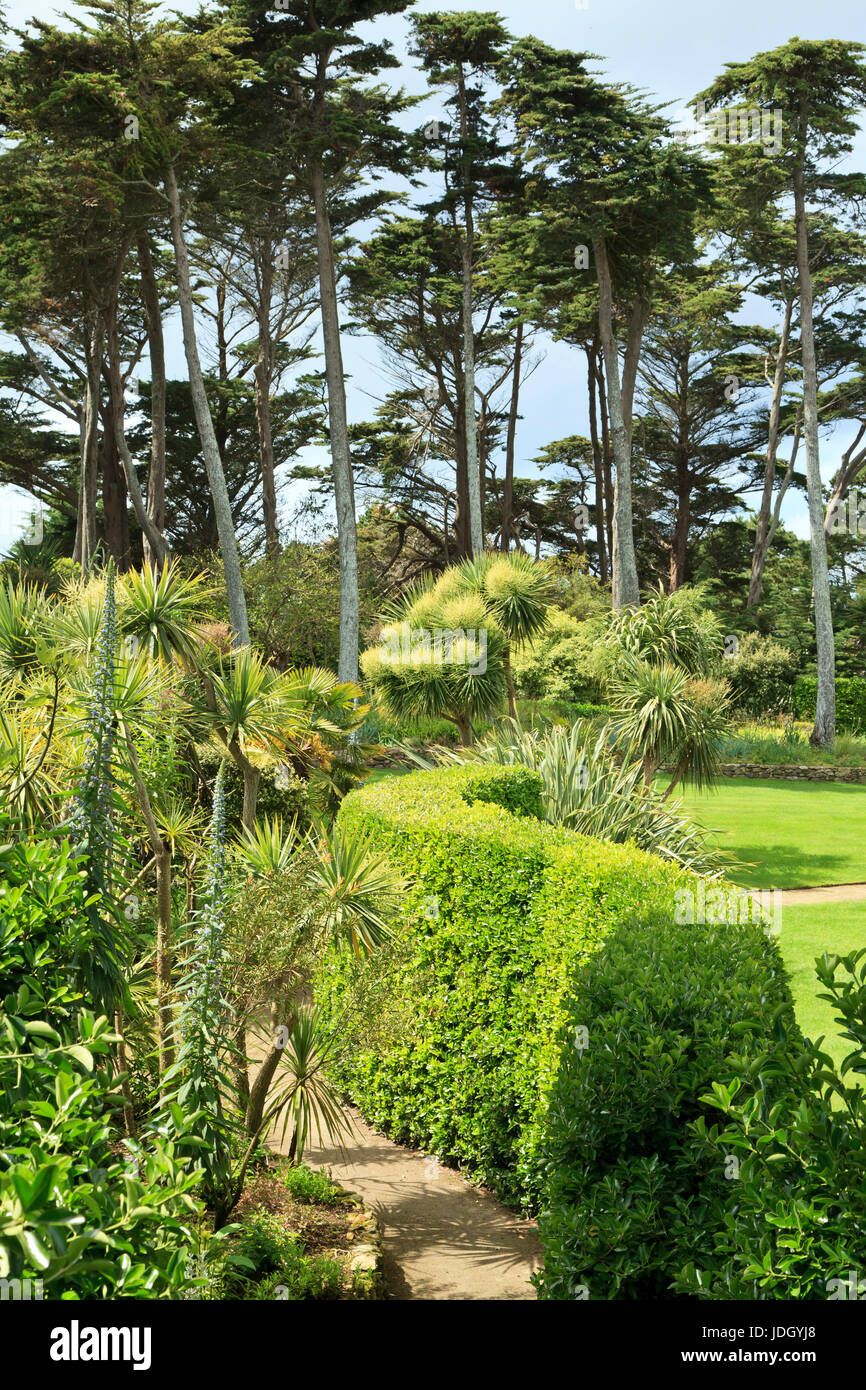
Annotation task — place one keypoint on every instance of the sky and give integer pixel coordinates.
(669, 49)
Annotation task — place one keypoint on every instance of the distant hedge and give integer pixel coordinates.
(850, 700)
(503, 914)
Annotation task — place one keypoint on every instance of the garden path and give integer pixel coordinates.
(443, 1238)
(831, 893)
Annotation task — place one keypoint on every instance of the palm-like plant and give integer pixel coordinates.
(440, 656)
(23, 617)
(160, 610)
(677, 628)
(670, 718)
(517, 591)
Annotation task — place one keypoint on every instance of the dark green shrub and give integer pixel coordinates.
(791, 1223)
(850, 700)
(632, 1190)
(501, 911)
(761, 676)
(519, 792)
(90, 1215)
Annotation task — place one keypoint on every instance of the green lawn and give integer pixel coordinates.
(806, 932)
(786, 834)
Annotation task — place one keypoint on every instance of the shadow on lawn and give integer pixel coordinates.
(787, 864)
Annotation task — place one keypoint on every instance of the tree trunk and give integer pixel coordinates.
(117, 409)
(624, 564)
(263, 373)
(508, 486)
(509, 682)
(341, 462)
(598, 466)
(156, 477)
(464, 725)
(462, 530)
(204, 422)
(114, 499)
(762, 545)
(85, 533)
(467, 248)
(681, 531)
(824, 731)
(125, 1089)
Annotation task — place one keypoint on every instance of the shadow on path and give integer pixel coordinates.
(443, 1238)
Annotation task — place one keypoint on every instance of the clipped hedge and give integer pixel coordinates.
(634, 1193)
(850, 700)
(502, 911)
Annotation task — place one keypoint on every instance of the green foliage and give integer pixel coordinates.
(267, 1261)
(501, 911)
(310, 1185)
(762, 676)
(794, 1222)
(677, 628)
(632, 1189)
(850, 700)
(91, 1216)
(587, 788)
(562, 662)
(282, 793)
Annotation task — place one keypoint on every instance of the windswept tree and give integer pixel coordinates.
(818, 88)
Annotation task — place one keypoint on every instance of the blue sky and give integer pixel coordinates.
(670, 49)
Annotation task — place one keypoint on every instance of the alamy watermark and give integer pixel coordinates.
(440, 646)
(732, 125)
(716, 907)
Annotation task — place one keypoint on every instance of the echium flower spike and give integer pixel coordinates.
(91, 815)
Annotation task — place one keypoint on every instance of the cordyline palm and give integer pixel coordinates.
(160, 610)
(517, 591)
(353, 896)
(457, 685)
(251, 709)
(667, 717)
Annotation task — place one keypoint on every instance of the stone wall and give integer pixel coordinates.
(798, 772)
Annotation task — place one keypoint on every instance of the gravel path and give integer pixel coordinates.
(832, 893)
(443, 1238)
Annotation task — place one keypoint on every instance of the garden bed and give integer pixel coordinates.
(299, 1236)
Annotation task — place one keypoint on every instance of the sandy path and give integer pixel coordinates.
(443, 1238)
(832, 893)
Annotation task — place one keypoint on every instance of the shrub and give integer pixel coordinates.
(561, 663)
(850, 700)
(677, 628)
(89, 1214)
(761, 676)
(632, 1190)
(310, 1185)
(501, 911)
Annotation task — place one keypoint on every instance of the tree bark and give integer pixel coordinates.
(467, 249)
(85, 533)
(510, 437)
(117, 410)
(263, 375)
(156, 477)
(598, 466)
(115, 516)
(824, 731)
(341, 462)
(624, 563)
(762, 545)
(204, 422)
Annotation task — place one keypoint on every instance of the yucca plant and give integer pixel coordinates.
(675, 628)
(24, 611)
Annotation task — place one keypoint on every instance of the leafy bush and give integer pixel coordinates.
(268, 1261)
(632, 1188)
(850, 700)
(761, 676)
(91, 1215)
(501, 911)
(309, 1185)
(792, 1223)
(562, 662)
